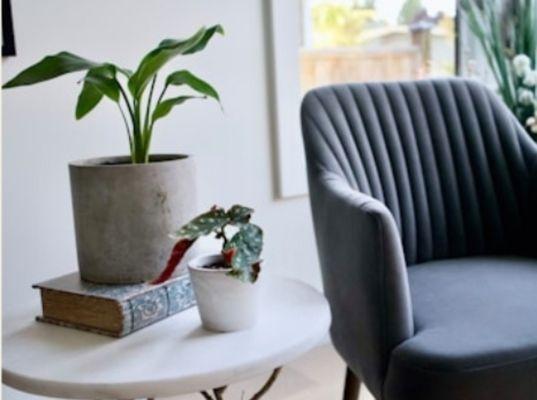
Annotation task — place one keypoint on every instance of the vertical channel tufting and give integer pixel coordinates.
(420, 204)
(430, 173)
(366, 150)
(445, 156)
(343, 99)
(399, 167)
(474, 133)
(340, 127)
(463, 170)
(374, 134)
(503, 182)
(325, 118)
(516, 164)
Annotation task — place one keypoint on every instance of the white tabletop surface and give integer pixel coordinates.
(174, 356)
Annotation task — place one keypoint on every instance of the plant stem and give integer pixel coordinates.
(148, 106)
(135, 119)
(125, 97)
(222, 234)
(148, 130)
(162, 94)
(146, 134)
(127, 128)
(137, 134)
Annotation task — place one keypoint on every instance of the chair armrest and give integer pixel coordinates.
(364, 275)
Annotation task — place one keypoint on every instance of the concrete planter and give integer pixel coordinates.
(225, 304)
(125, 212)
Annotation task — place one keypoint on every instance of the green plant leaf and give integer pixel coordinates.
(165, 51)
(247, 244)
(185, 77)
(239, 214)
(50, 67)
(204, 224)
(99, 81)
(164, 107)
(199, 45)
(104, 79)
(88, 99)
(124, 71)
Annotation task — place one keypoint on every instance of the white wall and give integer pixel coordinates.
(233, 149)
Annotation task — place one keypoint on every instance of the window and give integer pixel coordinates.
(364, 40)
(320, 42)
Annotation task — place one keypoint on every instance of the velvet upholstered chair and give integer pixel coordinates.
(424, 202)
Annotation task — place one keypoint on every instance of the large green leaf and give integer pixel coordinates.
(199, 45)
(166, 50)
(99, 81)
(50, 67)
(185, 77)
(104, 79)
(203, 224)
(246, 246)
(88, 99)
(164, 107)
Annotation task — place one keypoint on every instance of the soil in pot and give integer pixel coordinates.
(215, 265)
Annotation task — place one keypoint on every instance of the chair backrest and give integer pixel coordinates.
(446, 157)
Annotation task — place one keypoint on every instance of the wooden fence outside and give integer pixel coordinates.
(322, 67)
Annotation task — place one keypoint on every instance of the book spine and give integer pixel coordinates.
(149, 307)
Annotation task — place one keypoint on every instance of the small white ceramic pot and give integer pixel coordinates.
(225, 304)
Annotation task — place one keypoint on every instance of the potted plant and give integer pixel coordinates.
(223, 283)
(124, 206)
(507, 34)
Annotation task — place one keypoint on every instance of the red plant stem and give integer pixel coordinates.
(177, 255)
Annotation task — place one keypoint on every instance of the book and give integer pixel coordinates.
(112, 310)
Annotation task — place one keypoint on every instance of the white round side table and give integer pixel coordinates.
(172, 357)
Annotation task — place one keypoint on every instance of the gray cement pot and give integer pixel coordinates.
(125, 212)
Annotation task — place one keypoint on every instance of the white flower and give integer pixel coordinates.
(521, 64)
(533, 129)
(525, 97)
(531, 121)
(530, 79)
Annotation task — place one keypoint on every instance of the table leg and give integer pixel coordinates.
(206, 395)
(218, 393)
(268, 384)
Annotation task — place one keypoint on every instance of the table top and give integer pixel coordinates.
(172, 357)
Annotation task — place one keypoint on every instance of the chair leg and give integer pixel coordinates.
(352, 386)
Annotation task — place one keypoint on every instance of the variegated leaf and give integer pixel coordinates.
(203, 224)
(247, 243)
(239, 214)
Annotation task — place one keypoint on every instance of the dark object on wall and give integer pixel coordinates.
(423, 196)
(8, 36)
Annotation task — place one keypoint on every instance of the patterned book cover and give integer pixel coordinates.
(141, 304)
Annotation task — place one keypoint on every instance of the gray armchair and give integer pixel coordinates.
(424, 203)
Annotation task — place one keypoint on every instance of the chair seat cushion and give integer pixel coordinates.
(475, 332)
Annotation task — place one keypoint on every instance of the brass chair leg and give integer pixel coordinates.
(352, 386)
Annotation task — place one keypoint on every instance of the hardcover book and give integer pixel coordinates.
(112, 310)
